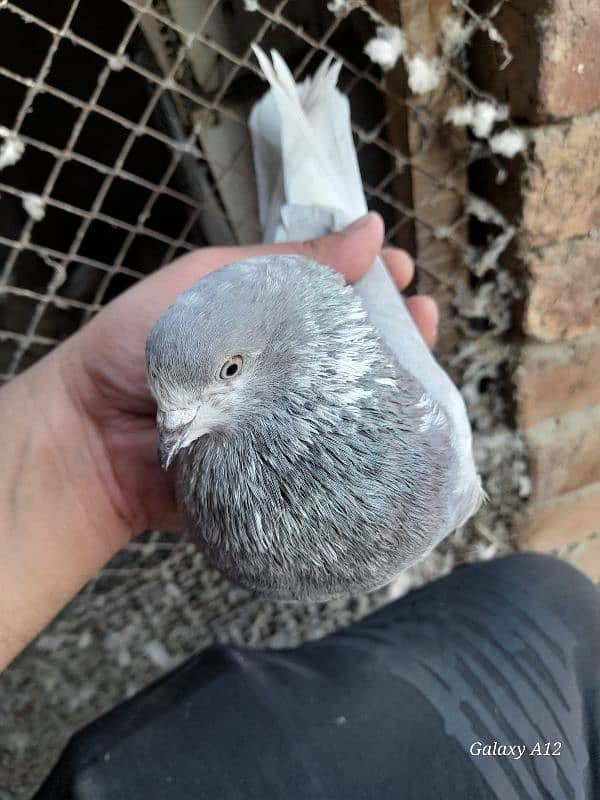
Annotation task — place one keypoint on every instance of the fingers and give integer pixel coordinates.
(400, 266)
(424, 312)
(351, 251)
(422, 308)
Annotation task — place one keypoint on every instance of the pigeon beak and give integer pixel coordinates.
(168, 446)
(173, 427)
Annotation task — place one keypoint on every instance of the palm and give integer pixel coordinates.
(111, 384)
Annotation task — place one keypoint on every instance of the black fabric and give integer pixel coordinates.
(506, 651)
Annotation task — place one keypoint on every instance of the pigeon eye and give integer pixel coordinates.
(231, 368)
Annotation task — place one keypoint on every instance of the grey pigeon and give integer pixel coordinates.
(320, 449)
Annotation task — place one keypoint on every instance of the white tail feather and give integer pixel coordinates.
(312, 128)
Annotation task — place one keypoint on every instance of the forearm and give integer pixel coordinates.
(53, 521)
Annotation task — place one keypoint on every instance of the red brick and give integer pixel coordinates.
(549, 40)
(569, 76)
(554, 379)
(564, 296)
(560, 187)
(564, 453)
(566, 520)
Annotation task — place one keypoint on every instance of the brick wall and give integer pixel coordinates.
(553, 88)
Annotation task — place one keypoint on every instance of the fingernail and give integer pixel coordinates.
(361, 222)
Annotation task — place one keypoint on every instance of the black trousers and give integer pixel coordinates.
(485, 684)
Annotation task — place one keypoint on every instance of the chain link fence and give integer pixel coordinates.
(123, 144)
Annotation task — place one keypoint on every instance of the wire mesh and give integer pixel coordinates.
(175, 80)
(133, 149)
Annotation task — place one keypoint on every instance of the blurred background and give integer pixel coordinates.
(123, 144)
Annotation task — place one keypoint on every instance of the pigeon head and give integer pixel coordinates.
(246, 342)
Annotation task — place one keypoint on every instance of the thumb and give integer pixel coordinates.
(350, 251)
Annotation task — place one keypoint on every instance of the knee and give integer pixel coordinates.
(554, 582)
(537, 567)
